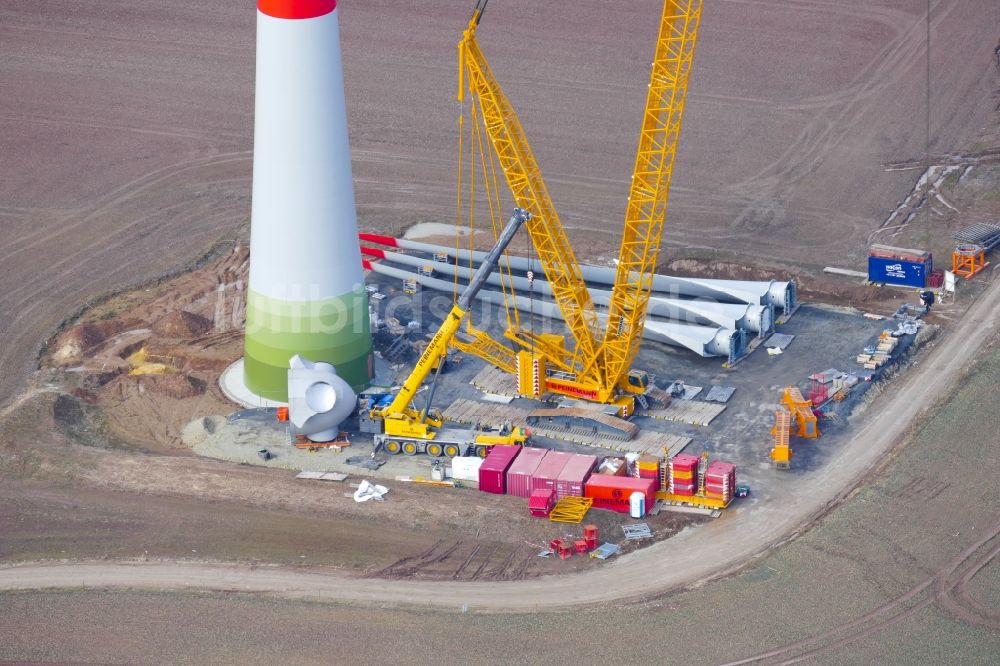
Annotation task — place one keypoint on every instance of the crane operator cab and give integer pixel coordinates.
(637, 381)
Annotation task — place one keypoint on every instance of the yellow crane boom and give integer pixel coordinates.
(525, 181)
(399, 417)
(647, 202)
(598, 371)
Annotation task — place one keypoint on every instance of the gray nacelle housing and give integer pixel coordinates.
(319, 400)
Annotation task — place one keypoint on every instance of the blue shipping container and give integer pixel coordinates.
(894, 271)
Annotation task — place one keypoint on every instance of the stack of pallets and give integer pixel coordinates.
(881, 354)
(688, 411)
(683, 475)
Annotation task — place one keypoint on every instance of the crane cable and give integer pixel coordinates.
(458, 194)
(493, 201)
(506, 272)
(489, 167)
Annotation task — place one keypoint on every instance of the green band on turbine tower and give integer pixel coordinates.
(335, 330)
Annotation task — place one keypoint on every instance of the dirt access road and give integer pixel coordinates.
(717, 547)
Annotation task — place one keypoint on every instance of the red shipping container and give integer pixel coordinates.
(613, 492)
(493, 471)
(540, 505)
(590, 531)
(522, 470)
(580, 545)
(548, 470)
(572, 477)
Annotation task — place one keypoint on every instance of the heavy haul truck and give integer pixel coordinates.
(399, 428)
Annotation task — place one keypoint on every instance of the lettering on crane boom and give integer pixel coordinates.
(432, 347)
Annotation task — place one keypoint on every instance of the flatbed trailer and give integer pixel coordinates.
(692, 500)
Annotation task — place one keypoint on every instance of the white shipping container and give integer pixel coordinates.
(466, 468)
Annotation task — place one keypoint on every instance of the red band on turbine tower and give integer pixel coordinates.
(296, 9)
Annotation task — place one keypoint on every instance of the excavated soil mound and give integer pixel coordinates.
(181, 324)
(176, 386)
(77, 341)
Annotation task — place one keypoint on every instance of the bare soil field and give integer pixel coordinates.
(72, 490)
(127, 138)
(128, 130)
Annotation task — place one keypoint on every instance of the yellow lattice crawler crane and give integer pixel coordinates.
(594, 363)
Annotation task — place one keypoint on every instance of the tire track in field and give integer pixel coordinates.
(946, 590)
(53, 285)
(116, 197)
(777, 181)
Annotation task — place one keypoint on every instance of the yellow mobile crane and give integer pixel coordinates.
(399, 428)
(596, 366)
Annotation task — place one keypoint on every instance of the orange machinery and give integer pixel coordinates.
(806, 425)
(781, 452)
(968, 259)
(797, 418)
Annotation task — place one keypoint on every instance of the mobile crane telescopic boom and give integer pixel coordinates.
(402, 428)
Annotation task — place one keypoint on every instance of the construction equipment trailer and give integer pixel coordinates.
(399, 428)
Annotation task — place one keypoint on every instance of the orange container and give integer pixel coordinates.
(618, 487)
(282, 414)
